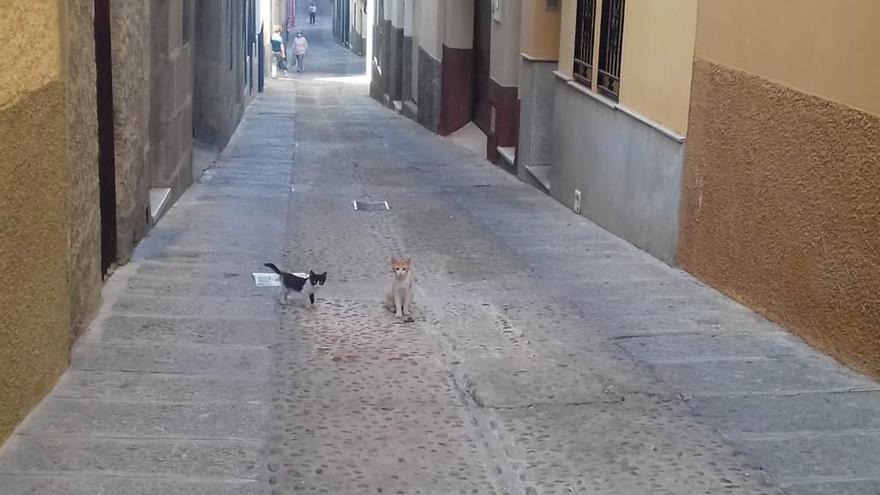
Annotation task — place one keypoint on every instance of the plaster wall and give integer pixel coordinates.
(539, 34)
(171, 95)
(219, 96)
(566, 37)
(781, 208)
(416, 37)
(826, 48)
(408, 13)
(35, 218)
(505, 50)
(657, 60)
(628, 172)
(537, 86)
(130, 26)
(429, 90)
(430, 25)
(458, 32)
(82, 125)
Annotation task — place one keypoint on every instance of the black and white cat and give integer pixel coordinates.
(305, 285)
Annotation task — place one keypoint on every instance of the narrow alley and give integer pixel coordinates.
(546, 355)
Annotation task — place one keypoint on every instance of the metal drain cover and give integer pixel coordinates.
(370, 206)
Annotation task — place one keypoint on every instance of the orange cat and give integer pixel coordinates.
(401, 294)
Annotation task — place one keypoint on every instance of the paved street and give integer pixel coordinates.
(546, 357)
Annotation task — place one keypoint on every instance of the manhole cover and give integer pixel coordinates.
(370, 206)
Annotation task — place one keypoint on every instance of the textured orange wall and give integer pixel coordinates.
(781, 208)
(35, 298)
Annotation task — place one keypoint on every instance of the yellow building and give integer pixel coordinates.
(90, 131)
(781, 203)
(739, 139)
(620, 111)
(45, 160)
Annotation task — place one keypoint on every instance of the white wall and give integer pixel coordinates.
(430, 26)
(505, 52)
(459, 28)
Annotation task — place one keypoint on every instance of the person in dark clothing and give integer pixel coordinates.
(313, 11)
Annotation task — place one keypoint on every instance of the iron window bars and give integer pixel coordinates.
(610, 46)
(583, 44)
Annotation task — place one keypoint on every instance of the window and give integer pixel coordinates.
(610, 48)
(583, 43)
(606, 74)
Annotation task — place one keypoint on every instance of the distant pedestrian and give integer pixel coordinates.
(313, 11)
(300, 48)
(279, 54)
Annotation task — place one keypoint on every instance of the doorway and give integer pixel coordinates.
(106, 147)
(482, 53)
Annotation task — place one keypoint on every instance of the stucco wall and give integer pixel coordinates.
(566, 37)
(629, 174)
(429, 90)
(505, 48)
(171, 95)
(781, 208)
(535, 146)
(130, 31)
(218, 95)
(34, 216)
(827, 48)
(458, 28)
(539, 33)
(430, 25)
(82, 124)
(658, 53)
(24, 22)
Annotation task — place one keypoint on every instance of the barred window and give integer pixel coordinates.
(610, 46)
(583, 44)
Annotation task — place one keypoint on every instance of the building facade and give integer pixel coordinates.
(447, 64)
(781, 192)
(99, 103)
(621, 100)
(735, 141)
(41, 185)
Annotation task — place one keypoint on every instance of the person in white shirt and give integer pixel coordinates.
(300, 48)
(279, 57)
(313, 11)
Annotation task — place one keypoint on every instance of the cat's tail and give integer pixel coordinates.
(273, 268)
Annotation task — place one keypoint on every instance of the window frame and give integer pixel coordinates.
(598, 46)
(610, 49)
(582, 69)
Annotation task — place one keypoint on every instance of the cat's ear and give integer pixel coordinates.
(312, 273)
(323, 275)
(394, 260)
(408, 261)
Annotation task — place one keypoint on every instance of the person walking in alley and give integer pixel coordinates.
(313, 11)
(300, 48)
(279, 55)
